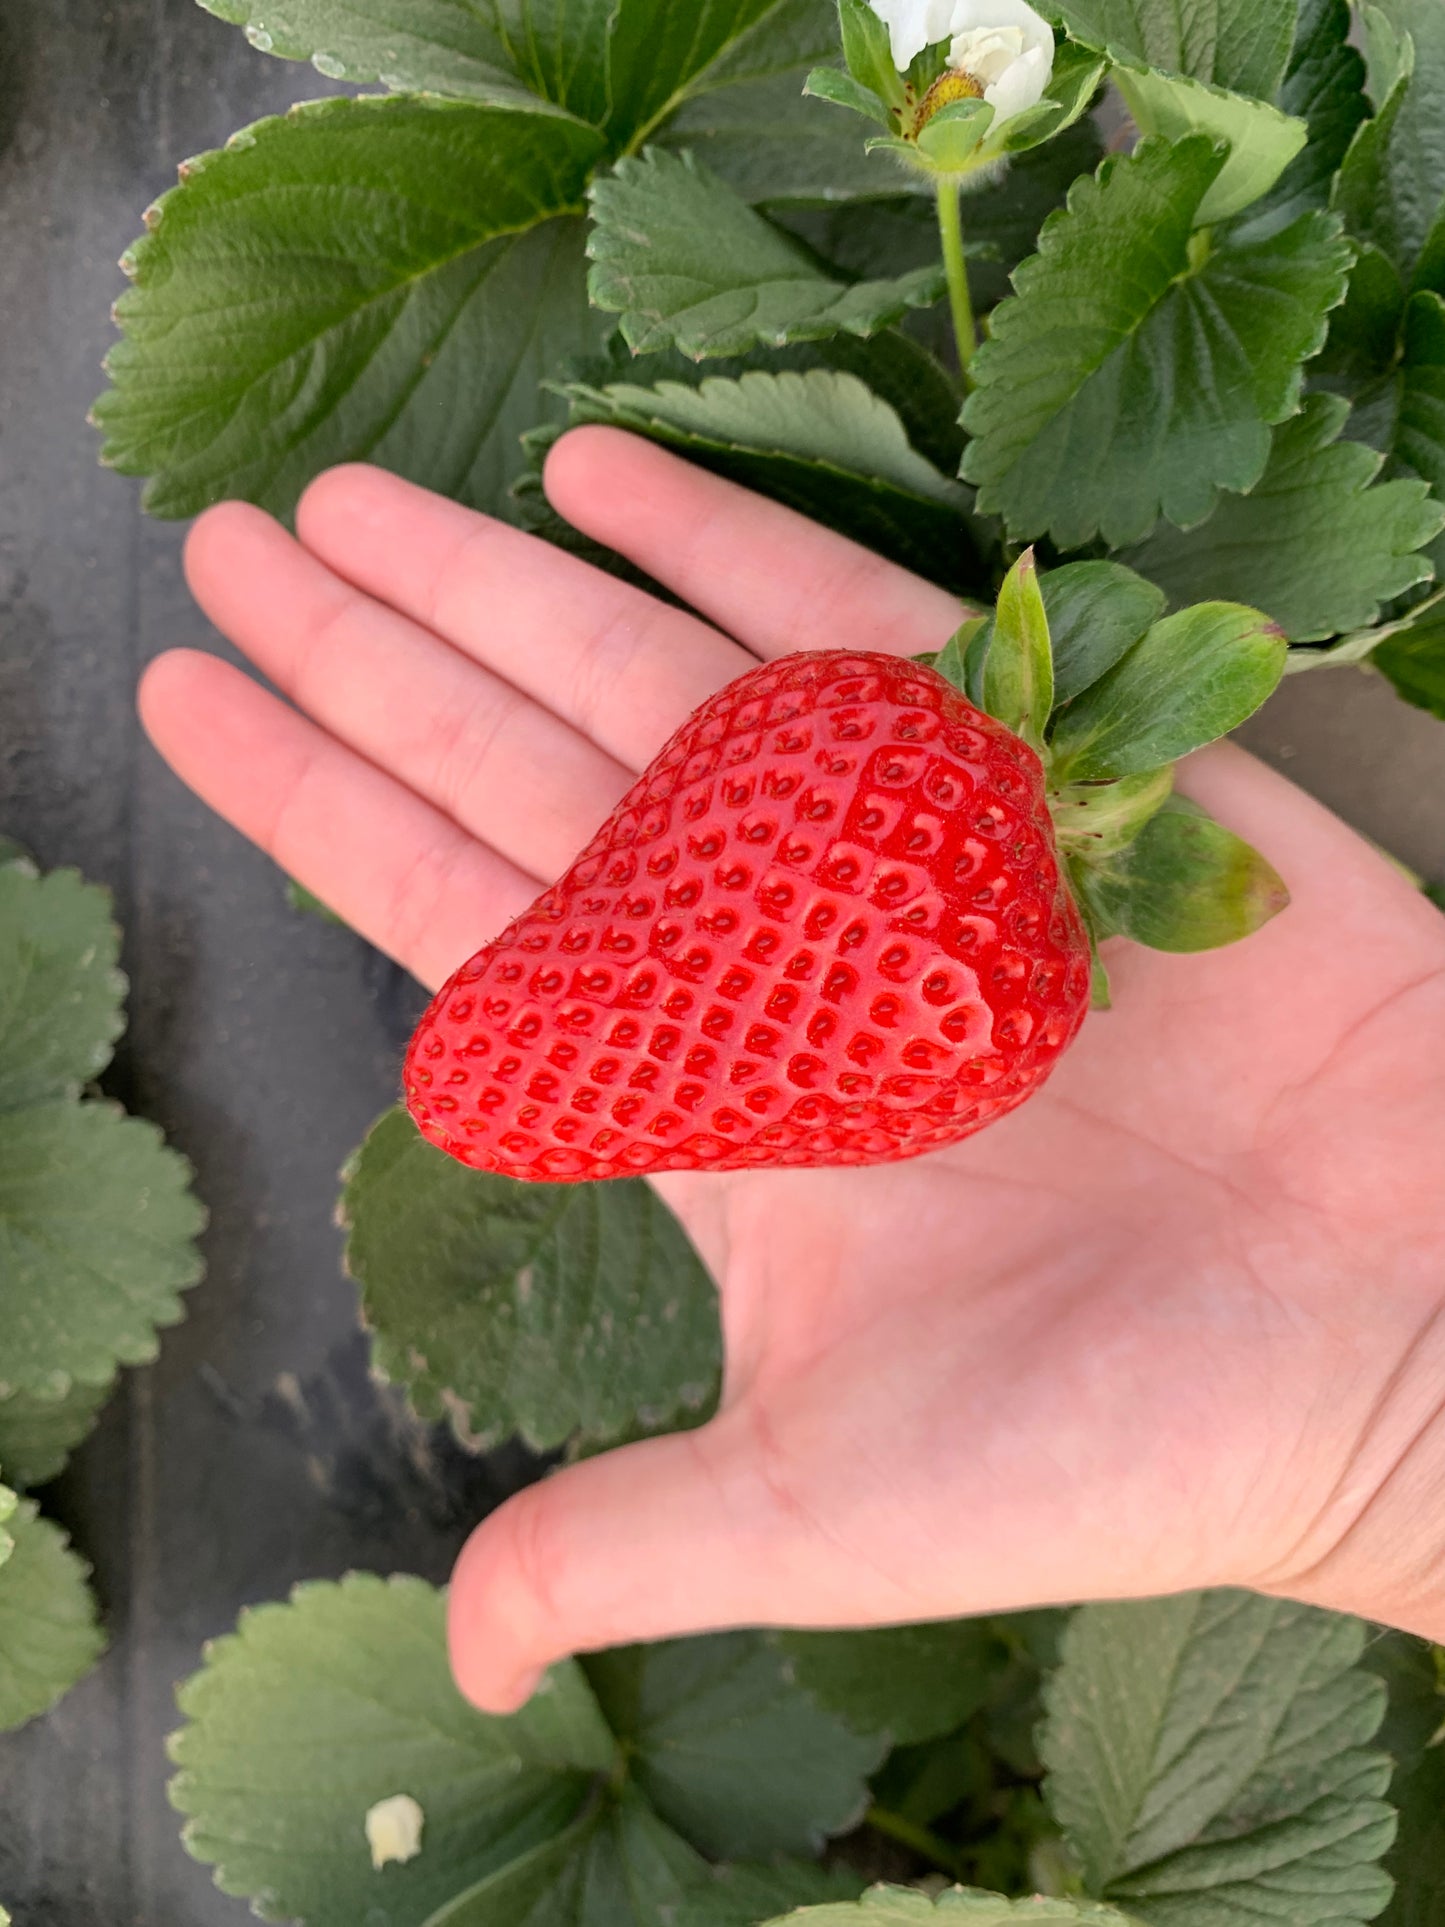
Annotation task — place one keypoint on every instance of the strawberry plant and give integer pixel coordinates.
(872, 261)
(97, 1241)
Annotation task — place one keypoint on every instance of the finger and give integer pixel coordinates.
(393, 867)
(767, 575)
(616, 664)
(501, 766)
(675, 1535)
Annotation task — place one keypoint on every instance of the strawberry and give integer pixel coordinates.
(827, 926)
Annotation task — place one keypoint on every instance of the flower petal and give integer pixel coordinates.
(915, 24)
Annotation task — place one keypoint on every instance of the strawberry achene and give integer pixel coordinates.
(828, 925)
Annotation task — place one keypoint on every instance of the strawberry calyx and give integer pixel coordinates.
(1110, 692)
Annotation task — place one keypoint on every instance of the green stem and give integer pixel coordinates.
(955, 266)
(928, 1846)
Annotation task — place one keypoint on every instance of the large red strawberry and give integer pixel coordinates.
(827, 926)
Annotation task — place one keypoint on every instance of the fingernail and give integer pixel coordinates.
(526, 1687)
(500, 1702)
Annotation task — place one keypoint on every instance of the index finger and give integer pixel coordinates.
(763, 573)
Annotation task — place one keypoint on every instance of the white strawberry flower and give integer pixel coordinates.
(1003, 46)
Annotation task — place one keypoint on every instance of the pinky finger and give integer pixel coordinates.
(394, 868)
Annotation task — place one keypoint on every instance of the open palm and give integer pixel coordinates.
(1179, 1321)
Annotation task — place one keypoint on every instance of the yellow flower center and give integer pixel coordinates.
(948, 87)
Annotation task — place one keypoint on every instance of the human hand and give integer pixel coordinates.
(1179, 1321)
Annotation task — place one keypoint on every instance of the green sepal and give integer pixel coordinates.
(1192, 679)
(926, 66)
(826, 83)
(1076, 78)
(868, 52)
(1097, 820)
(960, 660)
(1184, 884)
(1101, 991)
(1097, 611)
(951, 140)
(895, 145)
(1018, 676)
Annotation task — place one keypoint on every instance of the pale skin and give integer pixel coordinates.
(1178, 1322)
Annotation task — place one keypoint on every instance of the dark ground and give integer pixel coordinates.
(255, 1452)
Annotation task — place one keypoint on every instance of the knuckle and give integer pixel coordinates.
(416, 896)
(465, 754)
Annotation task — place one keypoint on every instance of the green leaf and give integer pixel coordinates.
(616, 1866)
(905, 1907)
(776, 147)
(823, 443)
(541, 1885)
(96, 1219)
(1240, 44)
(1194, 677)
(1393, 179)
(1209, 1761)
(434, 46)
(1183, 884)
(8, 1503)
(911, 1682)
(97, 1230)
(1097, 611)
(744, 113)
(49, 1638)
(827, 83)
(1324, 87)
(1365, 329)
(1018, 677)
(1415, 1713)
(37, 1435)
(1419, 441)
(729, 1751)
(1389, 54)
(311, 1713)
(60, 990)
(1116, 384)
(741, 1896)
(1262, 141)
(689, 265)
(1412, 654)
(1319, 544)
(550, 1311)
(385, 279)
(1417, 1863)
(661, 56)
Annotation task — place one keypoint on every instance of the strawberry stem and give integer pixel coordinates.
(955, 266)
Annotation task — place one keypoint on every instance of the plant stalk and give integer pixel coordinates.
(928, 1846)
(955, 266)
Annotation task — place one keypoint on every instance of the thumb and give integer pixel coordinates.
(674, 1535)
